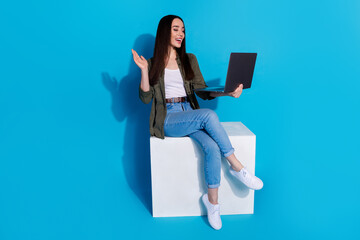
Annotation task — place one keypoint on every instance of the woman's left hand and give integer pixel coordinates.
(237, 91)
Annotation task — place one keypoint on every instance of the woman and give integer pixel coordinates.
(169, 80)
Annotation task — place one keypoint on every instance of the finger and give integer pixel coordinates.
(137, 58)
(137, 54)
(133, 53)
(143, 59)
(134, 57)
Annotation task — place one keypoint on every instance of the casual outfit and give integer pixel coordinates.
(157, 94)
(175, 112)
(179, 119)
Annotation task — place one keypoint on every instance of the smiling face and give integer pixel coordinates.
(177, 33)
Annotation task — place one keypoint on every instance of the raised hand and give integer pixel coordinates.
(140, 61)
(237, 91)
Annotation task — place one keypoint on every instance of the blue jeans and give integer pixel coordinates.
(203, 126)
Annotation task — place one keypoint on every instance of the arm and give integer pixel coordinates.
(145, 84)
(145, 90)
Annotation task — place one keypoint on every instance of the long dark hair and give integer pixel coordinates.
(161, 51)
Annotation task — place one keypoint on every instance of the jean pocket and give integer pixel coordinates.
(169, 107)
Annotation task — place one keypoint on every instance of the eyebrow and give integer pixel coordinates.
(178, 26)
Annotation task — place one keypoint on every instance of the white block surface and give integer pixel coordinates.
(178, 181)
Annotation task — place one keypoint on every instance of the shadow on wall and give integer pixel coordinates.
(126, 105)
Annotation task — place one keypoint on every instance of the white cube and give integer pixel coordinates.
(178, 181)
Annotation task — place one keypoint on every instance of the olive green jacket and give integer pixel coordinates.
(157, 94)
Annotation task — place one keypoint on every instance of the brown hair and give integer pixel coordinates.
(161, 51)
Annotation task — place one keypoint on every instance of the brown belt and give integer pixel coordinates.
(176, 100)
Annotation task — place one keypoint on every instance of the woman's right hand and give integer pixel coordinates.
(140, 61)
(143, 65)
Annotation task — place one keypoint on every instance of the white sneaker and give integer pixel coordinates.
(247, 178)
(213, 212)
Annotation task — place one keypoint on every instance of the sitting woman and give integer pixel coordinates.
(169, 80)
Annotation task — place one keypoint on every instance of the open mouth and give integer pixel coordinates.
(178, 40)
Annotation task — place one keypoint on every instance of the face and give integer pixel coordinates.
(177, 33)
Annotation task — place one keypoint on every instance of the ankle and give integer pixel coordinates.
(212, 201)
(237, 168)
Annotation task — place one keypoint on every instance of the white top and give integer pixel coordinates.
(174, 84)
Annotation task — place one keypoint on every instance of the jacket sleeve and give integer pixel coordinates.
(146, 97)
(198, 81)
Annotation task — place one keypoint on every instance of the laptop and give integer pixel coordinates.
(240, 70)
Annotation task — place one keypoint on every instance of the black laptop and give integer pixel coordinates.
(240, 70)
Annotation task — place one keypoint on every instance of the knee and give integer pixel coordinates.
(211, 115)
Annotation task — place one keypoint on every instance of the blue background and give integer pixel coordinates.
(74, 148)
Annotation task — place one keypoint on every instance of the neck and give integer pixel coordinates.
(172, 53)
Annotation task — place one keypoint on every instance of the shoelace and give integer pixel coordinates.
(246, 176)
(215, 209)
